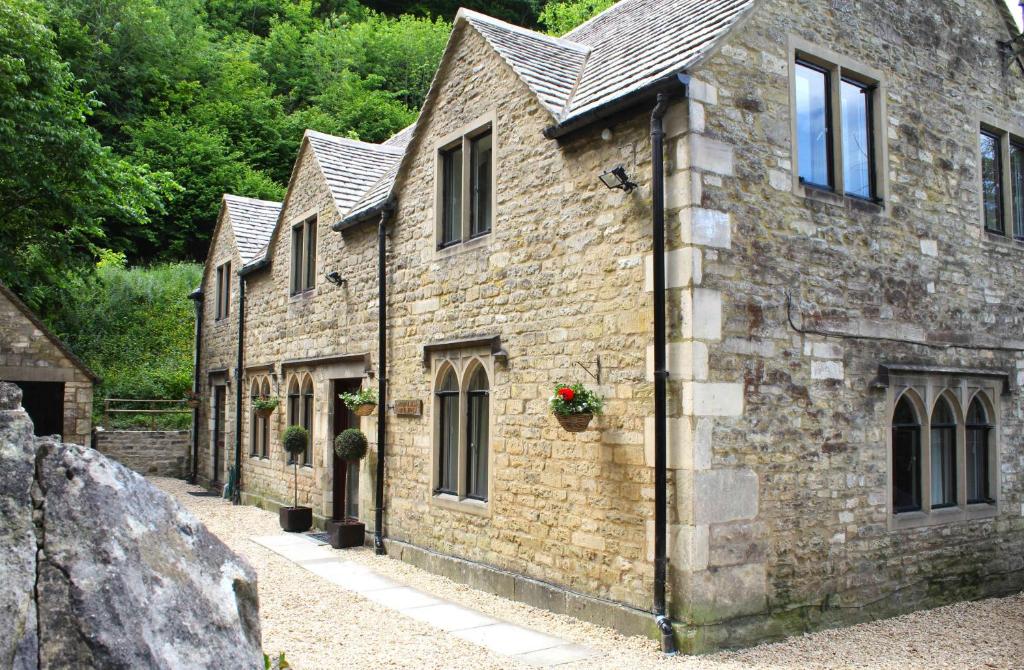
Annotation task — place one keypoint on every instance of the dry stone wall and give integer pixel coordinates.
(157, 453)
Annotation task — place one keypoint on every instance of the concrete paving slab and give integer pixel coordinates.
(449, 617)
(402, 598)
(552, 656)
(508, 639)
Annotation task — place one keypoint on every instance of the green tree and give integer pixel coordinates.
(560, 16)
(58, 183)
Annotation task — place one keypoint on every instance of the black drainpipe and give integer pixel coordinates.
(382, 383)
(661, 373)
(197, 299)
(236, 481)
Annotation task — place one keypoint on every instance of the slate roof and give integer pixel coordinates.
(628, 46)
(253, 223)
(351, 167)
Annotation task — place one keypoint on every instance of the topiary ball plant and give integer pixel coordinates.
(351, 445)
(295, 440)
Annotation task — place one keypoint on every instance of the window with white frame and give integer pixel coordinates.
(465, 184)
(462, 430)
(941, 456)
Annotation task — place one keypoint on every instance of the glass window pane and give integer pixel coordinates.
(977, 453)
(856, 120)
(906, 458)
(480, 177)
(310, 255)
(1017, 180)
(352, 490)
(992, 182)
(451, 196)
(812, 125)
(296, 259)
(943, 453)
(448, 433)
(478, 436)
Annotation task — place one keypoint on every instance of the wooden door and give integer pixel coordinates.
(345, 476)
(219, 405)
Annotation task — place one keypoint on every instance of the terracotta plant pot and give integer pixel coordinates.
(296, 519)
(365, 409)
(346, 534)
(574, 423)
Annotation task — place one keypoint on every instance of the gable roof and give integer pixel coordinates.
(56, 341)
(253, 223)
(351, 167)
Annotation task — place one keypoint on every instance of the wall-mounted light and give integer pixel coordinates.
(336, 278)
(617, 178)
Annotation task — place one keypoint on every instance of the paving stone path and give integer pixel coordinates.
(502, 637)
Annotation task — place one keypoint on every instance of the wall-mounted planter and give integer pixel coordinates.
(366, 409)
(574, 423)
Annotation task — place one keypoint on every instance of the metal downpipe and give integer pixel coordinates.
(197, 299)
(660, 377)
(236, 481)
(382, 384)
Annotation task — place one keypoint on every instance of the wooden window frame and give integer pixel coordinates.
(222, 300)
(464, 139)
(1009, 137)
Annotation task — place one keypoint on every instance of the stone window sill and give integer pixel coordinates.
(302, 295)
(1004, 240)
(945, 515)
(829, 197)
(457, 504)
(466, 246)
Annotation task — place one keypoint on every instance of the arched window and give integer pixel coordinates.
(256, 424)
(978, 428)
(448, 432)
(943, 455)
(307, 418)
(265, 430)
(294, 409)
(477, 435)
(906, 457)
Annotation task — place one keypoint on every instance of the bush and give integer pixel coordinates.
(295, 440)
(351, 445)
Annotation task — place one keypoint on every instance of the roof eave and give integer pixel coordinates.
(254, 266)
(669, 83)
(364, 216)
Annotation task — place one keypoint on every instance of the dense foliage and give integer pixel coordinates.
(123, 121)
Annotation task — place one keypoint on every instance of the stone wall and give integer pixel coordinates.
(159, 453)
(782, 520)
(27, 354)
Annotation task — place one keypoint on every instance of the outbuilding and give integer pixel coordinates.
(56, 385)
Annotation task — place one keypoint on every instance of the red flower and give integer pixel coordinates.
(566, 393)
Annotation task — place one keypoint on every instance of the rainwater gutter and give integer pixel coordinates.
(382, 382)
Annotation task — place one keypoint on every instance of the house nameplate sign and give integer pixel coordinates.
(408, 407)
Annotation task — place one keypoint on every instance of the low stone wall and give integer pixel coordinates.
(163, 453)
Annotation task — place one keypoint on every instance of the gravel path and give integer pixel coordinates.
(320, 625)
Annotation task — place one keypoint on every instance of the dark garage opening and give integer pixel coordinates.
(44, 402)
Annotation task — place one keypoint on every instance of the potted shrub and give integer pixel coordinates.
(264, 406)
(362, 402)
(295, 519)
(574, 405)
(350, 445)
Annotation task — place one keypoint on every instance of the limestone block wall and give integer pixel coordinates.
(27, 354)
(560, 280)
(159, 453)
(783, 514)
(326, 322)
(219, 350)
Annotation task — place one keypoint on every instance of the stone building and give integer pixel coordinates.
(843, 208)
(56, 385)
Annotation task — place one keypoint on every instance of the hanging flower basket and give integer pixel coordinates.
(362, 403)
(575, 406)
(366, 409)
(574, 423)
(264, 406)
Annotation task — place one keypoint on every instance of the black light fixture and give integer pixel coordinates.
(617, 178)
(336, 278)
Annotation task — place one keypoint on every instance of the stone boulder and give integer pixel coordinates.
(102, 570)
